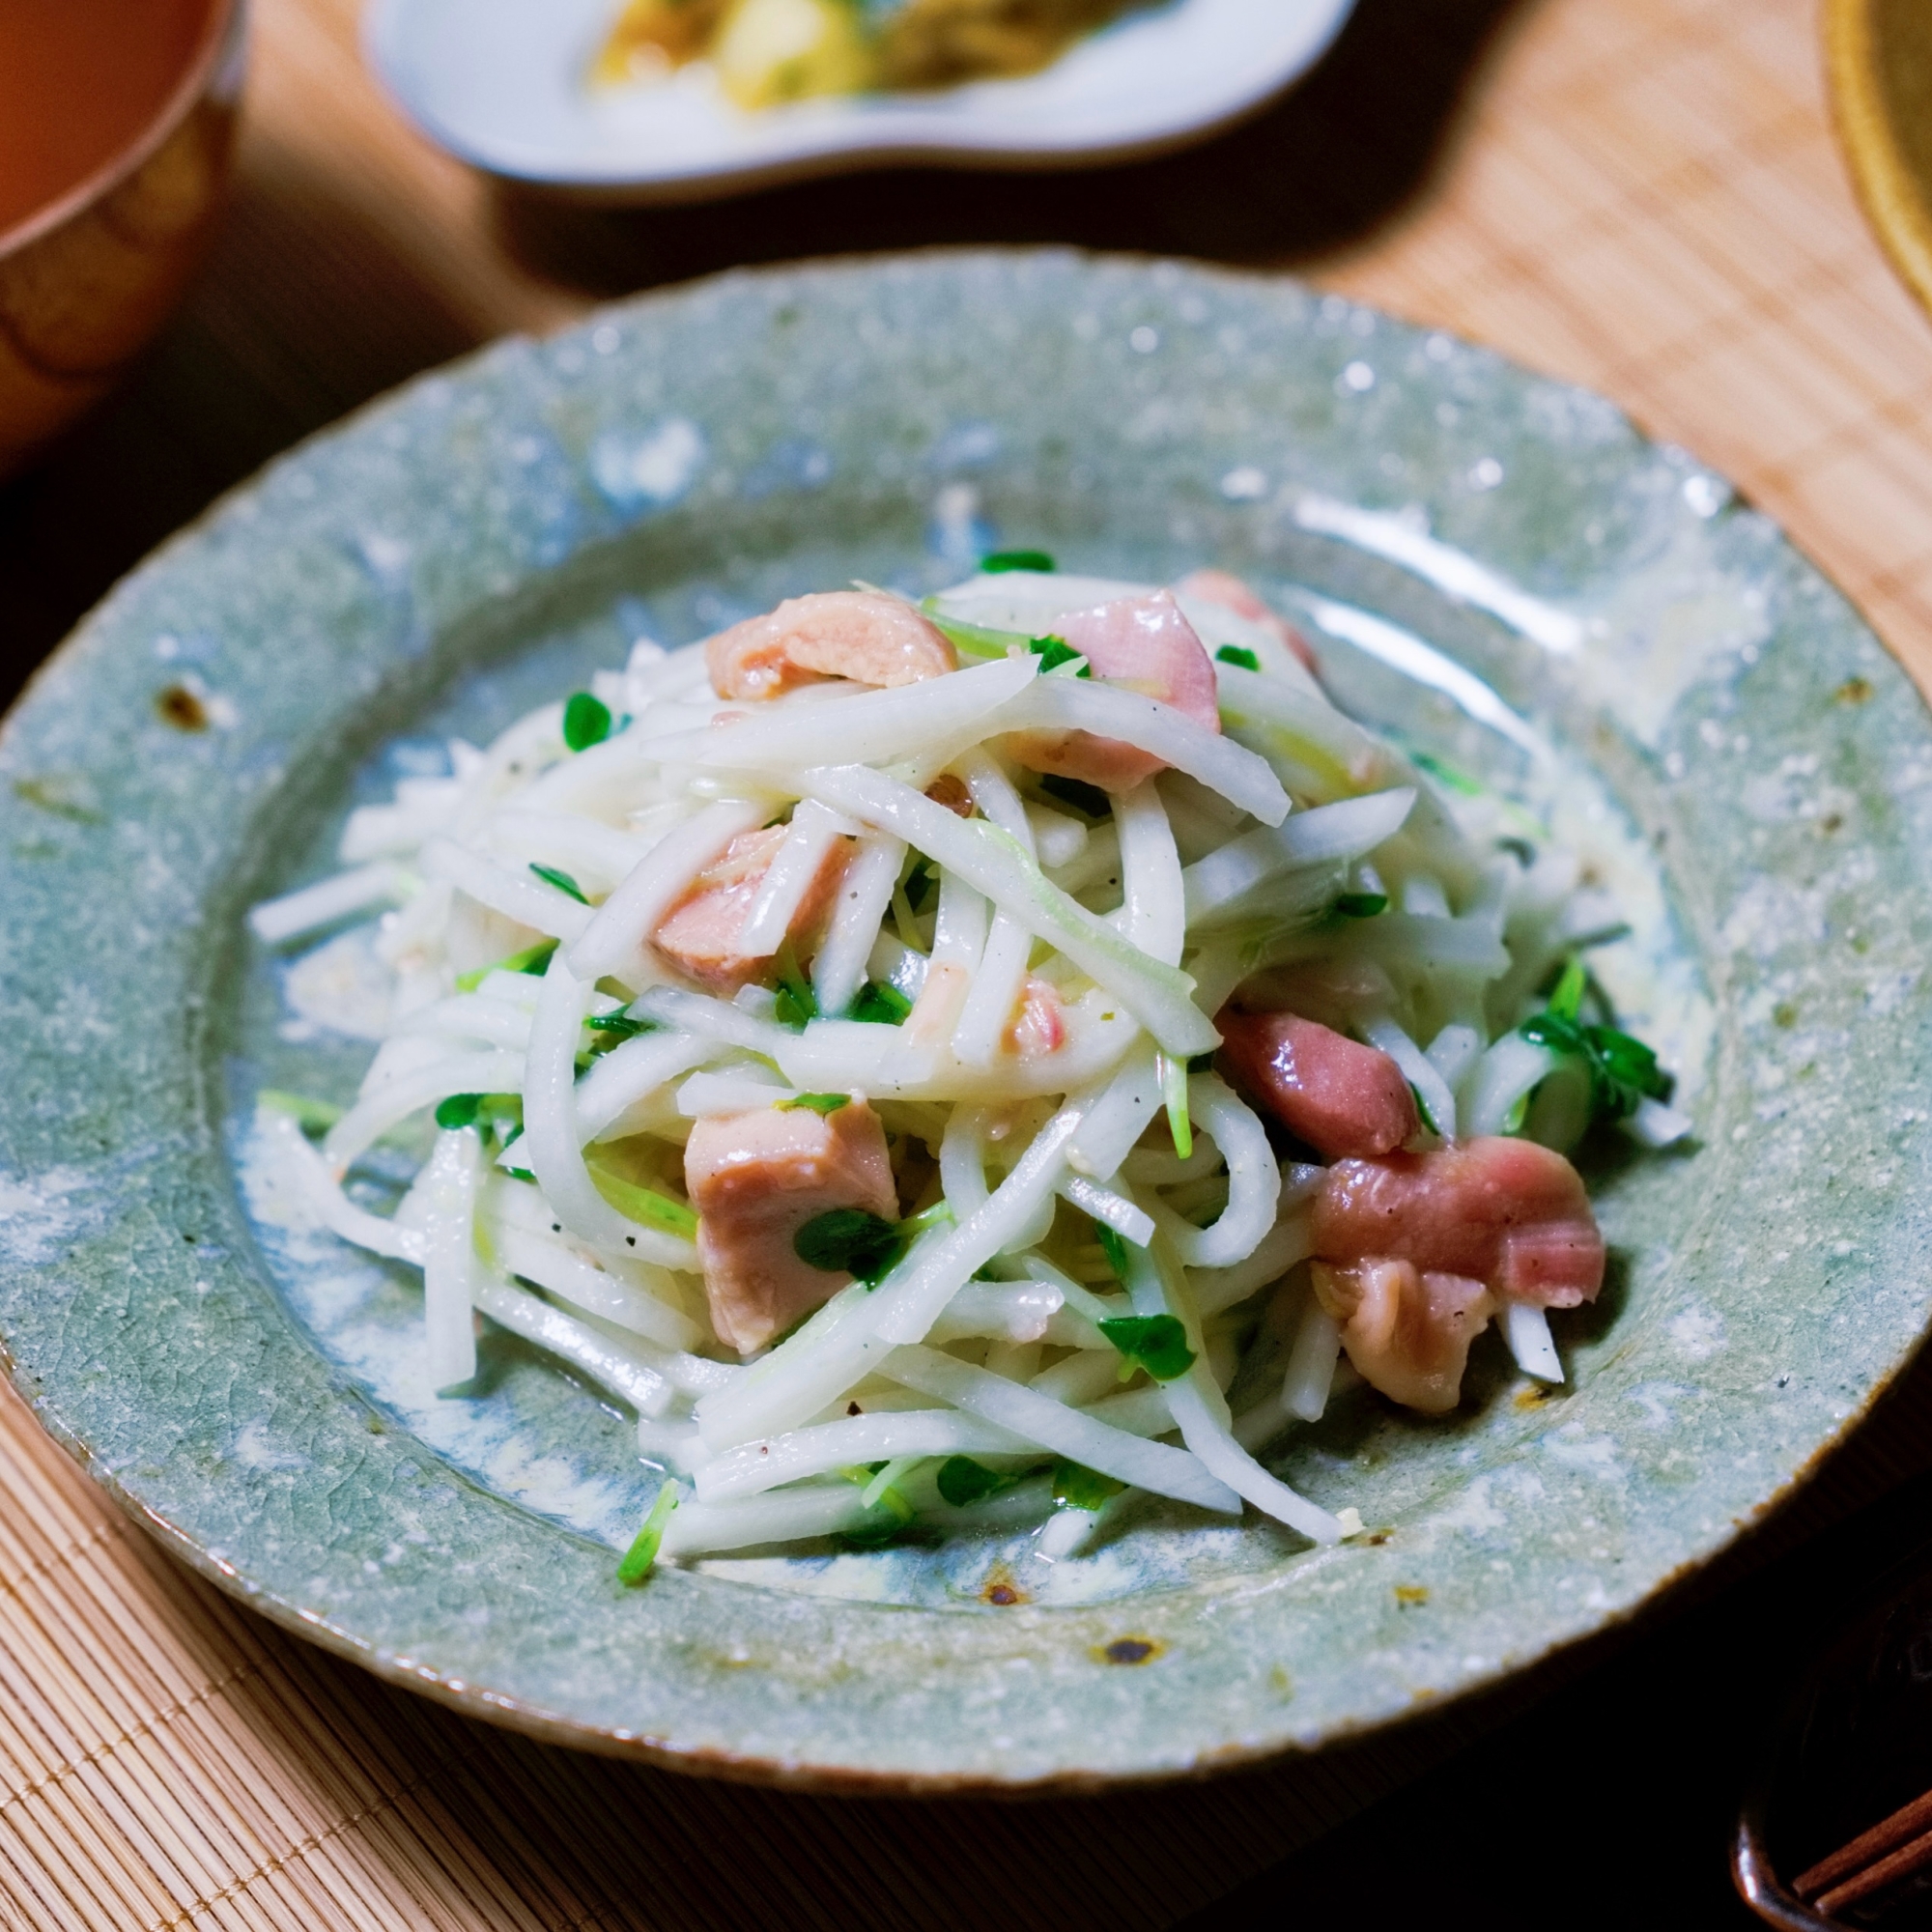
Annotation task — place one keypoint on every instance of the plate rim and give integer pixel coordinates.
(532, 1716)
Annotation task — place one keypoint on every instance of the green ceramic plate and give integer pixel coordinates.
(1496, 565)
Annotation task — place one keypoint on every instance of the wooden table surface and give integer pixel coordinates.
(1642, 195)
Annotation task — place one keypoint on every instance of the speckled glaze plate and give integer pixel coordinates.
(1496, 565)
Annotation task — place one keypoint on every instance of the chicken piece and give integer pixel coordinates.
(755, 1180)
(700, 935)
(1338, 1095)
(1505, 1213)
(1142, 643)
(1408, 1333)
(860, 635)
(1223, 587)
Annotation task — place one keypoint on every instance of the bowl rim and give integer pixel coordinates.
(218, 21)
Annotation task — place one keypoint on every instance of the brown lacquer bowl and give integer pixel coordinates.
(88, 276)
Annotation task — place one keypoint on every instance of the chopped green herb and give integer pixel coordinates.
(1002, 560)
(1237, 654)
(532, 959)
(648, 1209)
(1362, 905)
(1053, 652)
(1077, 793)
(939, 1215)
(880, 1005)
(1079, 1488)
(562, 881)
(460, 1110)
(619, 1026)
(1158, 1342)
(644, 1551)
(315, 1117)
(1422, 1109)
(1566, 1003)
(1456, 779)
(520, 1173)
(921, 883)
(1623, 1070)
(972, 640)
(1114, 1246)
(1174, 1091)
(587, 720)
(849, 1240)
(818, 1103)
(963, 1481)
(797, 1004)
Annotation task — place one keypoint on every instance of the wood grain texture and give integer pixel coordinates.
(1638, 194)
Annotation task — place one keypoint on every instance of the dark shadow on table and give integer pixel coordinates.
(307, 310)
(1324, 166)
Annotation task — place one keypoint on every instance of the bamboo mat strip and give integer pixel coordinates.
(1641, 195)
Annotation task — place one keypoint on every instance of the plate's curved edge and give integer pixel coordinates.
(480, 1701)
(845, 147)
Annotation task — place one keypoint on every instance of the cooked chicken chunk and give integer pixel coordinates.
(755, 1180)
(1338, 1095)
(860, 635)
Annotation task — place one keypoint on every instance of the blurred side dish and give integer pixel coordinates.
(769, 52)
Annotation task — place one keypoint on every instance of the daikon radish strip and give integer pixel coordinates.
(1130, 1222)
(1656, 1125)
(994, 863)
(838, 972)
(1117, 1119)
(1419, 1070)
(1311, 1362)
(327, 900)
(959, 928)
(998, 981)
(1111, 711)
(1285, 1245)
(1013, 1311)
(783, 1516)
(396, 1100)
(1327, 836)
(1155, 897)
(624, 1076)
(675, 1445)
(551, 1142)
(1505, 1075)
(590, 1288)
(716, 1020)
(605, 1362)
(1526, 1330)
(1454, 1053)
(1254, 1180)
(527, 899)
(613, 939)
(771, 1461)
(451, 1266)
(740, 1091)
(578, 845)
(814, 834)
(865, 729)
(1201, 1410)
(317, 1187)
(1066, 1432)
(473, 1016)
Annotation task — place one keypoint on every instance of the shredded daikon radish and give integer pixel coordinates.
(1015, 982)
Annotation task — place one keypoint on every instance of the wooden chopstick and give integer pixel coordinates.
(1906, 1835)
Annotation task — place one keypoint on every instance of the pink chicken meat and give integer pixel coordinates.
(1407, 1332)
(1142, 643)
(858, 634)
(702, 935)
(755, 1180)
(1338, 1095)
(1505, 1213)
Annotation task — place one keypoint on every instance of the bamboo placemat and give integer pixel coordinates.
(1639, 194)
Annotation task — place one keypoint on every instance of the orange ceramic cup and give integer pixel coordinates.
(113, 158)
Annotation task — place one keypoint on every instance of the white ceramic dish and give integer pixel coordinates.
(500, 84)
